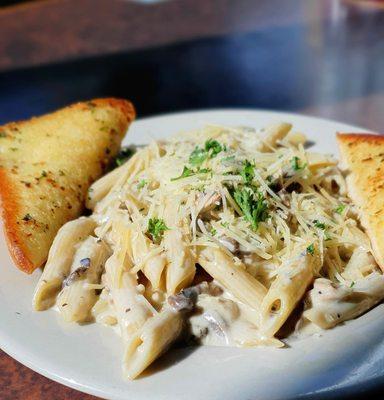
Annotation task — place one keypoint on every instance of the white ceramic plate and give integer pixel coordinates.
(88, 357)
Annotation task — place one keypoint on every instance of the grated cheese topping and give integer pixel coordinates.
(237, 196)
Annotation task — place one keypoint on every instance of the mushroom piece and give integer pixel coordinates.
(85, 263)
(186, 299)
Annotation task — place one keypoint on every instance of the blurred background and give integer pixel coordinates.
(317, 57)
(321, 57)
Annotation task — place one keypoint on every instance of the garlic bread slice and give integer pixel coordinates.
(363, 156)
(46, 166)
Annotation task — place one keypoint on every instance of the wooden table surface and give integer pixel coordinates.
(323, 58)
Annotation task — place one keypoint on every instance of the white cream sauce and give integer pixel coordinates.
(220, 320)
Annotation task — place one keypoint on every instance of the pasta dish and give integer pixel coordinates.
(221, 236)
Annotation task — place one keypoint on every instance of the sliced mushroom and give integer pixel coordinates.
(186, 299)
(74, 276)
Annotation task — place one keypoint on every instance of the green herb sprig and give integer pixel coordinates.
(156, 228)
(253, 205)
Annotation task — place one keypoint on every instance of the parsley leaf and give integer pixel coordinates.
(186, 172)
(352, 284)
(252, 204)
(318, 224)
(156, 228)
(295, 163)
(213, 231)
(213, 147)
(247, 173)
(311, 249)
(339, 209)
(189, 172)
(198, 156)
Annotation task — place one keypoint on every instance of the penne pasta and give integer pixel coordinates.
(273, 134)
(60, 260)
(103, 186)
(329, 304)
(130, 307)
(286, 291)
(149, 342)
(146, 258)
(233, 277)
(180, 259)
(76, 299)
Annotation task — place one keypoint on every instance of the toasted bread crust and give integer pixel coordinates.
(54, 198)
(10, 202)
(363, 155)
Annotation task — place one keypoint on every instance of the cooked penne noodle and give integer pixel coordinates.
(130, 306)
(60, 260)
(76, 299)
(149, 342)
(273, 134)
(150, 262)
(102, 187)
(285, 292)
(329, 304)
(181, 261)
(233, 277)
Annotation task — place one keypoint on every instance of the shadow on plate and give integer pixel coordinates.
(177, 354)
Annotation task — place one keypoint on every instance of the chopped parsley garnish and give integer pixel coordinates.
(340, 208)
(189, 172)
(211, 149)
(186, 172)
(352, 284)
(124, 154)
(247, 172)
(213, 231)
(198, 156)
(225, 224)
(252, 204)
(156, 228)
(296, 164)
(318, 224)
(311, 249)
(142, 183)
